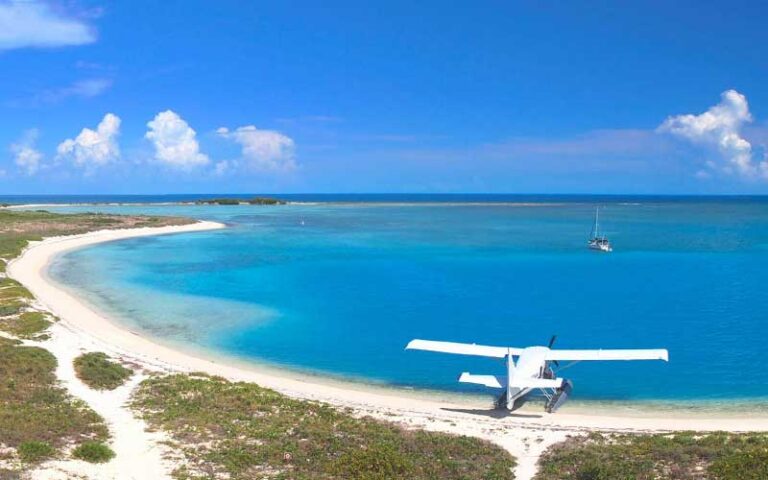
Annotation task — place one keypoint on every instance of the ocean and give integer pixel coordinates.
(337, 285)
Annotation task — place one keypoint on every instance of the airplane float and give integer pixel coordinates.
(532, 370)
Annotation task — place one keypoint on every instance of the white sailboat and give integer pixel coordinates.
(597, 240)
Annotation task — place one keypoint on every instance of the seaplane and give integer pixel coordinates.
(530, 369)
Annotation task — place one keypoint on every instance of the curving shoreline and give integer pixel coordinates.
(516, 432)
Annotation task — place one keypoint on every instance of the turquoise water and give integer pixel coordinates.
(339, 289)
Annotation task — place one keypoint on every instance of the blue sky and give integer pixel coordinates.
(530, 97)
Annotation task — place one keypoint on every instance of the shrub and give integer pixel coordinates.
(27, 325)
(237, 429)
(749, 464)
(33, 407)
(97, 371)
(93, 452)
(8, 309)
(265, 201)
(34, 451)
(677, 456)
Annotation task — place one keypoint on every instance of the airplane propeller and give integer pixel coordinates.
(552, 342)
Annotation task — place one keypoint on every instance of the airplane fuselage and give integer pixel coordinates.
(532, 363)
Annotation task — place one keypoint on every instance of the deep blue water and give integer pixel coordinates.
(341, 288)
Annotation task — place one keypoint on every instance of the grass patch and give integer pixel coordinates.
(97, 371)
(242, 431)
(8, 282)
(33, 408)
(13, 307)
(681, 456)
(9, 342)
(14, 293)
(27, 325)
(94, 452)
(34, 451)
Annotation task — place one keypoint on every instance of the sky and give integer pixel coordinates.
(645, 97)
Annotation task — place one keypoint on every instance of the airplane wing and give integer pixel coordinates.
(462, 348)
(654, 354)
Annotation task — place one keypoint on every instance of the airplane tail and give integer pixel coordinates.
(492, 381)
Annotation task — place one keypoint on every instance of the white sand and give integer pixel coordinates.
(526, 435)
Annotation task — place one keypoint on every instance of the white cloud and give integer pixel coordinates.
(222, 167)
(33, 24)
(720, 128)
(93, 148)
(26, 157)
(87, 88)
(175, 141)
(265, 150)
(90, 87)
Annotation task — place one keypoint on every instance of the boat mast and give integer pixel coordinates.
(596, 226)
(597, 222)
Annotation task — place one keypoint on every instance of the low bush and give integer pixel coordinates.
(34, 451)
(97, 371)
(27, 325)
(240, 431)
(678, 456)
(93, 452)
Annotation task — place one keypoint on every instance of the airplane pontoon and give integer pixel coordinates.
(530, 369)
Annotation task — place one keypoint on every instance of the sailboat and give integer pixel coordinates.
(598, 241)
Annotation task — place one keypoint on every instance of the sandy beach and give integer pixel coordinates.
(139, 454)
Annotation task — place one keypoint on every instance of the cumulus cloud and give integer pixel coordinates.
(26, 157)
(720, 128)
(32, 23)
(264, 150)
(175, 141)
(93, 148)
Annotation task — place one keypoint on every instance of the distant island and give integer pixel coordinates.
(239, 201)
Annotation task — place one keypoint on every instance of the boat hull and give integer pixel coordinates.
(600, 247)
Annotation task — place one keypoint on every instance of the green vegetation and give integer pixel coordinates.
(37, 417)
(33, 408)
(97, 371)
(17, 227)
(243, 431)
(33, 451)
(239, 201)
(14, 300)
(9, 342)
(266, 201)
(11, 308)
(220, 201)
(94, 452)
(14, 293)
(27, 325)
(679, 456)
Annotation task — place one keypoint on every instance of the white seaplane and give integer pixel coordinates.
(533, 368)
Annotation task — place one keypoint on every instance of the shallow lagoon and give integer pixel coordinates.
(339, 289)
